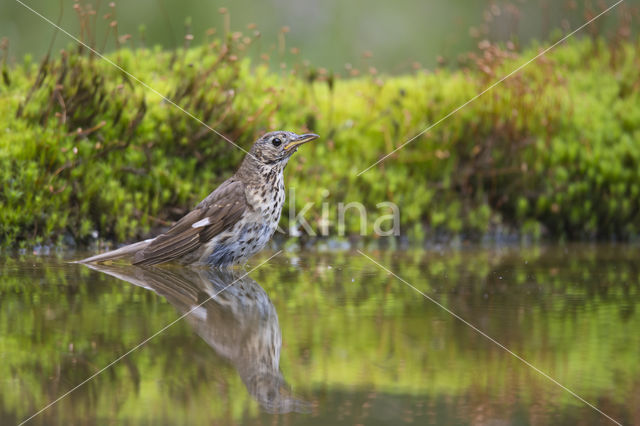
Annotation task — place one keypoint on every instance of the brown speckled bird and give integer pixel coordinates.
(234, 222)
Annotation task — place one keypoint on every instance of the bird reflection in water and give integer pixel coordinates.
(236, 318)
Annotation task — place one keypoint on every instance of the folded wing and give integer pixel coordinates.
(218, 212)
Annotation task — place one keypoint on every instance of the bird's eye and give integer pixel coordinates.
(276, 141)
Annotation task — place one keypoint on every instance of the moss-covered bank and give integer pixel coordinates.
(552, 150)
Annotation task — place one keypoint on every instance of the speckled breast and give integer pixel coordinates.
(251, 233)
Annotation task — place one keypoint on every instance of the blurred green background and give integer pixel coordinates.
(330, 33)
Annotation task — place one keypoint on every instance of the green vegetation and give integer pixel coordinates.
(553, 150)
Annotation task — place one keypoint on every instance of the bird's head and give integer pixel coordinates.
(276, 147)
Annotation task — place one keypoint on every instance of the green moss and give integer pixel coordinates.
(553, 150)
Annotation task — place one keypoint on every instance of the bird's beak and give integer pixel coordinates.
(300, 140)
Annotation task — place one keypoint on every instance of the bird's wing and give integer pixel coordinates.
(215, 214)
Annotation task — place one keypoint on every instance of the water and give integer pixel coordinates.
(326, 338)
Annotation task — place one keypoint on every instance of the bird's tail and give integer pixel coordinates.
(121, 253)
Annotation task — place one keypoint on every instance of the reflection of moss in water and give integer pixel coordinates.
(555, 316)
(554, 147)
(572, 314)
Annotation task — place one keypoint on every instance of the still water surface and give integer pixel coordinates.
(326, 338)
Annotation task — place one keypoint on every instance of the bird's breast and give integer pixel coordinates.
(254, 230)
(267, 199)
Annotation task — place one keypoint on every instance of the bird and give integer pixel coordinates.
(234, 315)
(233, 222)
